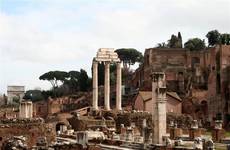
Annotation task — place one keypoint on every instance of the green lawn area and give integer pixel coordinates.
(209, 133)
(219, 146)
(227, 134)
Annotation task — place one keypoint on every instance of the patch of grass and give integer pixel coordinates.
(227, 134)
(208, 133)
(219, 146)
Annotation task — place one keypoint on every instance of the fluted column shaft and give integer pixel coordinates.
(118, 87)
(107, 86)
(95, 85)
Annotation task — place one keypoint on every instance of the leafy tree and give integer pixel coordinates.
(175, 41)
(33, 95)
(172, 43)
(101, 73)
(54, 76)
(195, 44)
(113, 74)
(225, 39)
(48, 93)
(74, 75)
(179, 40)
(213, 37)
(16, 99)
(162, 45)
(73, 82)
(129, 56)
(83, 80)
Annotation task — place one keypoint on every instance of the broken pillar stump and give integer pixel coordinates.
(217, 135)
(194, 133)
(175, 132)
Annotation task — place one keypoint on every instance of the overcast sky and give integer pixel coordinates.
(37, 36)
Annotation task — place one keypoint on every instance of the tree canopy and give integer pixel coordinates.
(73, 81)
(225, 39)
(175, 41)
(84, 82)
(162, 45)
(129, 56)
(101, 73)
(66, 82)
(195, 44)
(33, 95)
(213, 37)
(54, 76)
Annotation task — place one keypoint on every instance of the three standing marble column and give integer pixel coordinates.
(107, 86)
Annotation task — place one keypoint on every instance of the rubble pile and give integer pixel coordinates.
(22, 121)
(85, 122)
(16, 142)
(127, 118)
(183, 121)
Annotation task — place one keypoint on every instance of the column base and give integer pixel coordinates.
(108, 109)
(194, 133)
(217, 135)
(118, 109)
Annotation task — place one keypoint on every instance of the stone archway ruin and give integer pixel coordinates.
(106, 56)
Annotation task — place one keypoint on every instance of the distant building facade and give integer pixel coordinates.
(144, 102)
(15, 93)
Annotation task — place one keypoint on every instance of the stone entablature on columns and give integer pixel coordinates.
(106, 56)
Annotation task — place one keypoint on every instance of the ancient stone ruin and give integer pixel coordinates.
(26, 109)
(106, 56)
(159, 111)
